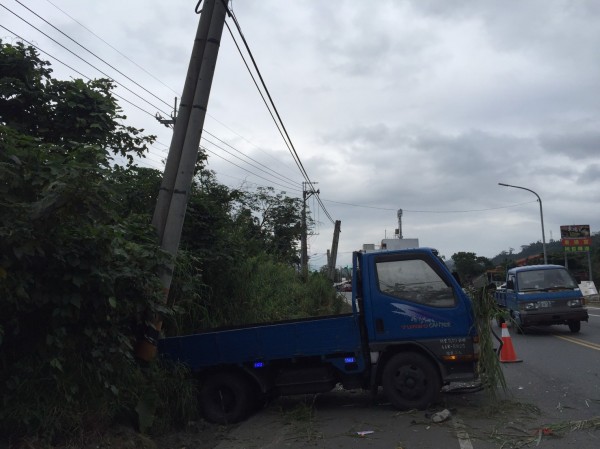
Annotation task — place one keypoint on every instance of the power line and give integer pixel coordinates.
(242, 168)
(253, 183)
(154, 166)
(87, 62)
(279, 120)
(92, 53)
(145, 71)
(359, 205)
(431, 211)
(142, 87)
(237, 157)
(71, 68)
(248, 141)
(114, 48)
(133, 81)
(466, 211)
(273, 173)
(297, 161)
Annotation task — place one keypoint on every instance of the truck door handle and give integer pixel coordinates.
(379, 327)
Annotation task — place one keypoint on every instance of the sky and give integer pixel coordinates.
(419, 105)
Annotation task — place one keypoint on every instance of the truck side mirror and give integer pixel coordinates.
(510, 285)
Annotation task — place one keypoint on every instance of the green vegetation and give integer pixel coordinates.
(79, 262)
(468, 265)
(486, 311)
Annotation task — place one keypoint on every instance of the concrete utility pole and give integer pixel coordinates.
(179, 170)
(334, 247)
(303, 238)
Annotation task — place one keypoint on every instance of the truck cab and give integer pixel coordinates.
(542, 295)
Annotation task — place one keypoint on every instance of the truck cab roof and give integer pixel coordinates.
(534, 268)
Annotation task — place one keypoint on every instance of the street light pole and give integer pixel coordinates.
(541, 216)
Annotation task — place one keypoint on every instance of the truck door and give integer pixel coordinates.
(412, 296)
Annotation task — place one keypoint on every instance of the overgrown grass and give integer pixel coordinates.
(486, 311)
(260, 290)
(301, 417)
(75, 409)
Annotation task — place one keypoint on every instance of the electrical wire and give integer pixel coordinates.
(78, 72)
(72, 68)
(92, 53)
(146, 71)
(242, 168)
(136, 83)
(299, 163)
(265, 100)
(273, 172)
(237, 157)
(432, 211)
(214, 136)
(467, 211)
(87, 62)
(115, 49)
(279, 121)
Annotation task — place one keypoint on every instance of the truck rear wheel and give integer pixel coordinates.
(574, 326)
(226, 398)
(410, 380)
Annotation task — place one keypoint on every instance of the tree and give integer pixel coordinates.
(279, 219)
(469, 265)
(77, 271)
(61, 112)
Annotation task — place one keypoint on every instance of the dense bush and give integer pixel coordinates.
(260, 290)
(77, 274)
(76, 283)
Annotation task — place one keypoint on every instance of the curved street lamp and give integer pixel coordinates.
(541, 216)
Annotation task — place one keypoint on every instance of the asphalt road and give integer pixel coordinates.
(553, 401)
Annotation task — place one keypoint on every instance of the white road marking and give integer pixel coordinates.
(463, 437)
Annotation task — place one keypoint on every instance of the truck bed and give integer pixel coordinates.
(320, 336)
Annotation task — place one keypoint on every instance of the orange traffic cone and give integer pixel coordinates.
(507, 352)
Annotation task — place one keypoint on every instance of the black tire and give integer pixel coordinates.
(574, 326)
(411, 381)
(518, 326)
(226, 398)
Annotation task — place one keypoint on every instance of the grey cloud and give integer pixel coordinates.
(591, 175)
(577, 145)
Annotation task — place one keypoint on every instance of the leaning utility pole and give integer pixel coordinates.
(179, 170)
(334, 247)
(303, 238)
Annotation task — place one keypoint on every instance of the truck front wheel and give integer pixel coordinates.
(225, 398)
(574, 326)
(410, 380)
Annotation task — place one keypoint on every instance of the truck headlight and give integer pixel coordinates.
(574, 303)
(529, 306)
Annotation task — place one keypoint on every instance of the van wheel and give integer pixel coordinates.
(225, 398)
(574, 326)
(410, 381)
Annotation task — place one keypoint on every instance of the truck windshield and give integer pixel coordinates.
(557, 278)
(414, 280)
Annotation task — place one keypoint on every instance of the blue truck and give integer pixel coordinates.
(411, 331)
(542, 295)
